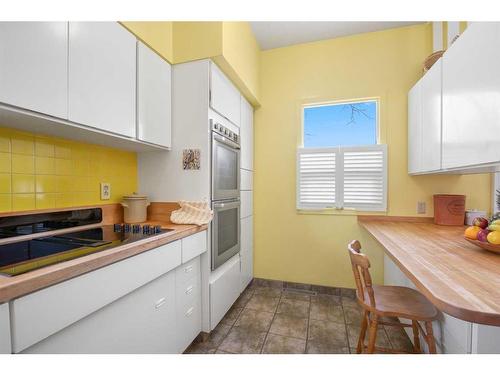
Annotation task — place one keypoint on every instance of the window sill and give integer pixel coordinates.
(337, 212)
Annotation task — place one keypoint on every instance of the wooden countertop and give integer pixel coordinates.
(16, 286)
(459, 278)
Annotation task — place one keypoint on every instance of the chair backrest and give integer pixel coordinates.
(360, 268)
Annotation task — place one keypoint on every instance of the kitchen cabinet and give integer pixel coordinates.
(151, 304)
(154, 97)
(246, 135)
(246, 204)
(471, 87)
(34, 66)
(424, 122)
(246, 180)
(188, 304)
(246, 252)
(143, 321)
(102, 77)
(224, 97)
(415, 128)
(5, 345)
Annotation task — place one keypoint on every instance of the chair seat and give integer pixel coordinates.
(399, 301)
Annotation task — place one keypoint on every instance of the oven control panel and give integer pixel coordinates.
(225, 132)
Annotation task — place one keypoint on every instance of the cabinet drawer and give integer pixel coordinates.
(189, 325)
(188, 292)
(140, 322)
(188, 271)
(193, 246)
(246, 204)
(246, 180)
(40, 314)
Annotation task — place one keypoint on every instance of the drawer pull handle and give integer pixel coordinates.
(160, 302)
(188, 269)
(190, 311)
(189, 289)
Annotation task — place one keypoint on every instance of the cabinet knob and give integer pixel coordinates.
(189, 289)
(190, 311)
(188, 269)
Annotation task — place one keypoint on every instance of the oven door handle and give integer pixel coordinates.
(226, 141)
(227, 204)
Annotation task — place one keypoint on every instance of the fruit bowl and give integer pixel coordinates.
(485, 245)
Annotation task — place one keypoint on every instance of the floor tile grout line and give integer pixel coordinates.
(307, 328)
(272, 321)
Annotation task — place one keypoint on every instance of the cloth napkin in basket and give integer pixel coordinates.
(198, 213)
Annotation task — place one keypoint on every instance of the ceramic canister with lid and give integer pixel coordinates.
(135, 208)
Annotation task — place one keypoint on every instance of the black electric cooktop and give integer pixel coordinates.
(21, 256)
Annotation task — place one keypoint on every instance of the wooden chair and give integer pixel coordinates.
(383, 305)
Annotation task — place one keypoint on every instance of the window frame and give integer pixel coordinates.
(339, 161)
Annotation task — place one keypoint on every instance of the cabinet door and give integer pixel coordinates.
(154, 102)
(5, 346)
(224, 97)
(246, 204)
(246, 135)
(102, 76)
(471, 88)
(431, 119)
(246, 251)
(140, 322)
(34, 66)
(415, 128)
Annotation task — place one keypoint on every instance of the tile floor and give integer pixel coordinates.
(267, 319)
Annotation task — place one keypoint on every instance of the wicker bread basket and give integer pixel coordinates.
(431, 59)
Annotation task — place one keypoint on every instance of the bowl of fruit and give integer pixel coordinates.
(485, 233)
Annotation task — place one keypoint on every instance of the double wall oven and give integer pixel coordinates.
(225, 194)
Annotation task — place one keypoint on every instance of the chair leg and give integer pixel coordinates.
(416, 337)
(431, 342)
(362, 333)
(373, 334)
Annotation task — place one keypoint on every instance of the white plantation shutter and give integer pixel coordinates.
(365, 178)
(342, 177)
(315, 178)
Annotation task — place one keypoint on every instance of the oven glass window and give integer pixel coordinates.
(226, 169)
(227, 224)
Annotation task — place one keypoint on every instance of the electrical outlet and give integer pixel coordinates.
(105, 191)
(420, 207)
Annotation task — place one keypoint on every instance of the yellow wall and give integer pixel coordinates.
(242, 54)
(157, 35)
(43, 172)
(196, 40)
(311, 248)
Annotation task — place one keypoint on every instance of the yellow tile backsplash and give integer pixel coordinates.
(40, 172)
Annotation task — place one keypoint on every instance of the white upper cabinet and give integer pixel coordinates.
(34, 66)
(431, 119)
(102, 77)
(224, 97)
(246, 135)
(471, 92)
(154, 97)
(415, 128)
(424, 123)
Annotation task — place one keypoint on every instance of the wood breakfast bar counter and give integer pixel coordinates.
(460, 279)
(456, 276)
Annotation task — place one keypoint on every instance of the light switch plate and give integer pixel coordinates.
(421, 208)
(105, 191)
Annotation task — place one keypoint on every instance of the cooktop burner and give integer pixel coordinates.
(24, 256)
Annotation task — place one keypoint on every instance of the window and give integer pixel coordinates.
(341, 165)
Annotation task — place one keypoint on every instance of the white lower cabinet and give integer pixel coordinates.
(151, 303)
(5, 346)
(453, 335)
(246, 252)
(141, 322)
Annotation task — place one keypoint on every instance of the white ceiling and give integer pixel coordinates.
(280, 34)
